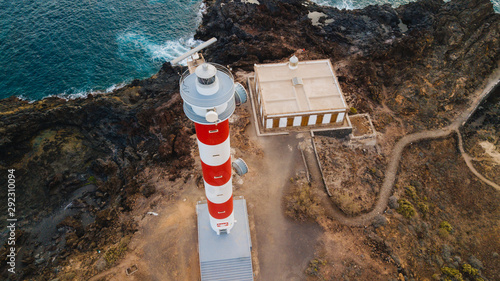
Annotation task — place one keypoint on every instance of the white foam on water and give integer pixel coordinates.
(73, 93)
(339, 4)
(360, 4)
(132, 41)
(201, 11)
(115, 87)
(25, 98)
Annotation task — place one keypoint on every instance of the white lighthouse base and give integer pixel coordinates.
(226, 256)
(222, 226)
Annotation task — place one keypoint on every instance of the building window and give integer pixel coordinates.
(340, 117)
(206, 81)
(269, 124)
(312, 120)
(283, 122)
(326, 118)
(297, 120)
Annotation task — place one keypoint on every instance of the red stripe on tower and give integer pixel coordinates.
(217, 175)
(221, 211)
(212, 134)
(213, 141)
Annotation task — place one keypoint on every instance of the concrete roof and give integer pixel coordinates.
(319, 90)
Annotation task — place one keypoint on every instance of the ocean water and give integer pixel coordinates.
(70, 48)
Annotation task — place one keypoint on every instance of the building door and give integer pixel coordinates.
(305, 120)
(320, 119)
(334, 118)
(276, 122)
(289, 122)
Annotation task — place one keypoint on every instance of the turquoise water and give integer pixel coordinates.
(67, 47)
(70, 48)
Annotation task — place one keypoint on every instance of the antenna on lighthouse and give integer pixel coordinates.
(193, 51)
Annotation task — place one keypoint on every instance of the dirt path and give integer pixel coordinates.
(468, 161)
(392, 167)
(283, 247)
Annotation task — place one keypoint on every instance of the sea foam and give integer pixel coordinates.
(360, 4)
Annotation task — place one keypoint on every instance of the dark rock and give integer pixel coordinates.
(475, 262)
(379, 221)
(393, 202)
(446, 253)
(147, 190)
(100, 265)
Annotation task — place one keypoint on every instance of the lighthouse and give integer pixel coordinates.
(208, 96)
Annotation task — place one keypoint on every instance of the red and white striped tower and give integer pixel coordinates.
(208, 96)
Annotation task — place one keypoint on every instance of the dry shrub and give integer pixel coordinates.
(303, 203)
(348, 203)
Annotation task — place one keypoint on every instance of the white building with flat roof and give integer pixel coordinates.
(298, 94)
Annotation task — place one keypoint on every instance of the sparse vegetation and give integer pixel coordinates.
(303, 203)
(446, 226)
(406, 208)
(314, 267)
(424, 208)
(452, 273)
(114, 253)
(412, 193)
(468, 269)
(92, 180)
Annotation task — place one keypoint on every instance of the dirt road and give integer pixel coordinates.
(283, 247)
(392, 167)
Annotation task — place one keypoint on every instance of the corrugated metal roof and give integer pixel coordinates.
(226, 256)
(231, 270)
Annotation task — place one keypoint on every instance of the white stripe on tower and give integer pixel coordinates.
(215, 156)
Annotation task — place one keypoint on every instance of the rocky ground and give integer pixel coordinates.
(86, 165)
(353, 175)
(78, 166)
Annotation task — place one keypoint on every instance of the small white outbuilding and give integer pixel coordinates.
(298, 94)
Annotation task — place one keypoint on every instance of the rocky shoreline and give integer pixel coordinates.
(420, 62)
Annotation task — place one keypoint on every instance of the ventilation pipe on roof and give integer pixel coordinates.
(294, 62)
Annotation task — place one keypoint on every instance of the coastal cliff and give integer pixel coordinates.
(421, 62)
